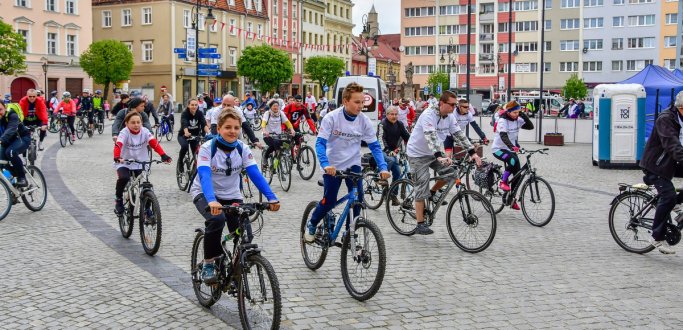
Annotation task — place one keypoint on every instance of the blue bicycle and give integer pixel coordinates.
(363, 255)
(375, 189)
(165, 128)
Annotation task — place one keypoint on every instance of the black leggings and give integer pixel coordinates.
(273, 145)
(124, 175)
(184, 146)
(70, 120)
(510, 159)
(214, 225)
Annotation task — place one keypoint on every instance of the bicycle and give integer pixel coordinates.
(139, 196)
(255, 123)
(54, 124)
(374, 188)
(304, 157)
(34, 195)
(472, 232)
(534, 184)
(164, 129)
(358, 254)
(65, 133)
(281, 162)
(245, 273)
(32, 151)
(250, 195)
(81, 125)
(640, 204)
(97, 121)
(189, 166)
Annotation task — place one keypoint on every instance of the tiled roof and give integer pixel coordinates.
(387, 48)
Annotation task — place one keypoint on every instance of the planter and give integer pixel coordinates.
(553, 139)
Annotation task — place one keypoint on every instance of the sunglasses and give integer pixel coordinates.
(452, 104)
(464, 107)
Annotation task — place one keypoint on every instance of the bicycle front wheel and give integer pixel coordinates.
(306, 162)
(266, 168)
(52, 128)
(206, 295)
(259, 301)
(32, 152)
(169, 132)
(363, 265)
(628, 232)
(402, 214)
(150, 223)
(537, 201)
(35, 196)
(80, 129)
(6, 199)
(373, 191)
(470, 221)
(314, 253)
(63, 137)
(100, 127)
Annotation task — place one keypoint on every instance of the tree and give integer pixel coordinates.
(107, 61)
(266, 66)
(324, 69)
(575, 88)
(435, 79)
(12, 45)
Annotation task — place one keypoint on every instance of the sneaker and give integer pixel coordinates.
(21, 182)
(504, 186)
(118, 206)
(383, 183)
(309, 237)
(209, 273)
(395, 201)
(663, 246)
(40, 146)
(515, 206)
(73, 137)
(423, 229)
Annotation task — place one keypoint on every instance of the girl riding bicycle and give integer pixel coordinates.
(131, 143)
(220, 163)
(192, 123)
(272, 124)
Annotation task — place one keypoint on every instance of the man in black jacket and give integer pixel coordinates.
(393, 134)
(660, 162)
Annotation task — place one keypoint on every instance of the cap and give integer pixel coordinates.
(217, 100)
(248, 94)
(276, 95)
(98, 92)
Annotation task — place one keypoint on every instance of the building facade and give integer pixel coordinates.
(338, 29)
(668, 30)
(312, 33)
(56, 33)
(286, 25)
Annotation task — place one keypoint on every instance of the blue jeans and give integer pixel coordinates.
(331, 190)
(12, 152)
(394, 167)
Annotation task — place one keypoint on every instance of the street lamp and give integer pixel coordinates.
(44, 65)
(452, 58)
(195, 26)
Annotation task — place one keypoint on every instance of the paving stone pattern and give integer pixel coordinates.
(568, 274)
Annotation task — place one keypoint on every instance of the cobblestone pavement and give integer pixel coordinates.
(569, 274)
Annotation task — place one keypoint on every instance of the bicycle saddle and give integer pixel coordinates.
(640, 186)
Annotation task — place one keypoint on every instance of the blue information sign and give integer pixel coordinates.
(426, 90)
(209, 55)
(207, 50)
(207, 72)
(208, 67)
(179, 50)
(326, 88)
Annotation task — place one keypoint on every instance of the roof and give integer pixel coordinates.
(219, 4)
(384, 51)
(655, 77)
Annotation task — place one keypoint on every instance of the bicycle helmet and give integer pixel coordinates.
(53, 93)
(98, 92)
(298, 97)
(276, 95)
(86, 90)
(66, 94)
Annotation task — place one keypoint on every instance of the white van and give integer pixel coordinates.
(376, 94)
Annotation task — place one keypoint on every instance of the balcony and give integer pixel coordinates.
(486, 37)
(486, 57)
(486, 16)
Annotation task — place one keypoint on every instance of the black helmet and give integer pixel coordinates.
(53, 93)
(298, 97)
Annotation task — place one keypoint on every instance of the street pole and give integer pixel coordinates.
(469, 40)
(542, 70)
(509, 87)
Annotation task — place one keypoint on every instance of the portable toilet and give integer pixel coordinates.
(618, 125)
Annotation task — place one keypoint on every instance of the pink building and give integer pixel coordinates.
(56, 33)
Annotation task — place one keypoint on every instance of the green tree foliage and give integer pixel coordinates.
(435, 79)
(107, 61)
(266, 66)
(12, 44)
(575, 87)
(324, 69)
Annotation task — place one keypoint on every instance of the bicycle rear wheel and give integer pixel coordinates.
(206, 295)
(537, 201)
(6, 199)
(494, 194)
(35, 196)
(100, 127)
(126, 221)
(402, 216)
(628, 232)
(150, 223)
(363, 265)
(259, 301)
(314, 253)
(183, 177)
(471, 221)
(306, 162)
(373, 191)
(284, 172)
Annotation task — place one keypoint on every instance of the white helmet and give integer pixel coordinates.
(66, 94)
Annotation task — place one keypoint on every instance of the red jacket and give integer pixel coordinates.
(69, 108)
(40, 110)
(297, 112)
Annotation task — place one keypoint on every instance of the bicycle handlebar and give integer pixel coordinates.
(133, 161)
(348, 174)
(249, 208)
(531, 152)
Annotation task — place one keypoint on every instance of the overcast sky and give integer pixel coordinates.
(389, 15)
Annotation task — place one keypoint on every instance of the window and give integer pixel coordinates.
(422, 50)
(419, 31)
(547, 67)
(548, 4)
(22, 3)
(250, 27)
(592, 3)
(106, 18)
(502, 27)
(618, 2)
(548, 46)
(285, 9)
(569, 66)
(201, 22)
(259, 6)
(569, 24)
(443, 49)
(569, 45)
(146, 16)
(71, 7)
(187, 22)
(641, 42)
(347, 13)
(637, 65)
(617, 65)
(420, 11)
(570, 4)
(593, 22)
(275, 7)
(527, 47)
(129, 45)
(517, 6)
(70, 45)
(502, 48)
(671, 18)
(232, 3)
(525, 67)
(452, 10)
(126, 19)
(335, 10)
(259, 30)
(233, 27)
(232, 54)
(617, 43)
(52, 43)
(638, 2)
(641, 20)
(424, 69)
(275, 33)
(548, 25)
(670, 64)
(618, 21)
(526, 26)
(51, 5)
(147, 51)
(592, 44)
(592, 66)
(24, 34)
(670, 41)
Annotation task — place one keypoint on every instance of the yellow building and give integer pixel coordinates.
(667, 55)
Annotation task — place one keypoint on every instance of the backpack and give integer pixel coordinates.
(14, 107)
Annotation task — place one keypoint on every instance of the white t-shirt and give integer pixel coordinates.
(202, 107)
(225, 187)
(464, 120)
(134, 147)
(403, 115)
(430, 121)
(344, 138)
(511, 127)
(274, 122)
(250, 114)
(215, 114)
(310, 101)
(212, 115)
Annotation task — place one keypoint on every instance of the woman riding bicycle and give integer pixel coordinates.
(272, 124)
(505, 145)
(131, 143)
(192, 123)
(14, 140)
(220, 163)
(68, 108)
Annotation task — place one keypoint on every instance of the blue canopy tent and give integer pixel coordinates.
(661, 86)
(678, 73)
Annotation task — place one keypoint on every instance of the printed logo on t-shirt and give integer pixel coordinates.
(337, 132)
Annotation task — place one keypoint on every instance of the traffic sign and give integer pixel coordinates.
(179, 51)
(326, 88)
(426, 90)
(438, 89)
(182, 56)
(208, 55)
(207, 72)
(207, 50)
(208, 67)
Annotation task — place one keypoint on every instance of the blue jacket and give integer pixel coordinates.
(248, 101)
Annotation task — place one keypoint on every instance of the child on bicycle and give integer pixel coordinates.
(505, 146)
(271, 123)
(220, 163)
(249, 112)
(131, 143)
(339, 148)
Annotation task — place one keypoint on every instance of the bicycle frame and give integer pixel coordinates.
(16, 192)
(138, 185)
(351, 200)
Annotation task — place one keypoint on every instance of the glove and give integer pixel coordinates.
(485, 141)
(515, 149)
(118, 160)
(165, 158)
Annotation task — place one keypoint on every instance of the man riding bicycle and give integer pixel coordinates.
(98, 105)
(661, 161)
(393, 133)
(296, 112)
(35, 113)
(85, 105)
(425, 150)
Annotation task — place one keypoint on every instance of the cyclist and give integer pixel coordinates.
(406, 113)
(164, 91)
(249, 113)
(464, 118)
(150, 110)
(660, 162)
(135, 104)
(192, 123)
(272, 122)
(220, 163)
(211, 115)
(98, 105)
(393, 131)
(122, 104)
(279, 100)
(249, 100)
(131, 143)
(338, 147)
(201, 103)
(311, 104)
(35, 113)
(166, 108)
(14, 140)
(505, 146)
(85, 105)
(68, 107)
(425, 150)
(296, 112)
